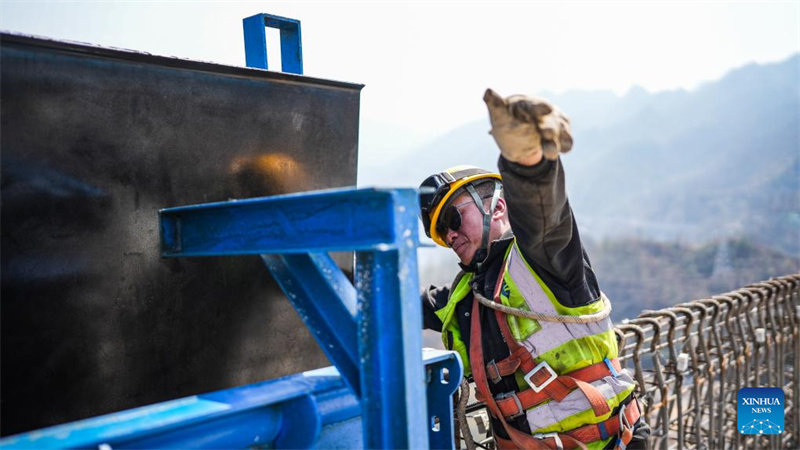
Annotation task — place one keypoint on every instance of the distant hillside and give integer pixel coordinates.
(721, 161)
(638, 275)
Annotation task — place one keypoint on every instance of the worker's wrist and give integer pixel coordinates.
(531, 160)
(535, 171)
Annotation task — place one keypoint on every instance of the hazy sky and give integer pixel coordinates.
(425, 65)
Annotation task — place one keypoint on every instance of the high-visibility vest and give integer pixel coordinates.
(564, 347)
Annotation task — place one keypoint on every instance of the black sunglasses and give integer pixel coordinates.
(450, 219)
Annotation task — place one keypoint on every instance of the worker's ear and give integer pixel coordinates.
(499, 209)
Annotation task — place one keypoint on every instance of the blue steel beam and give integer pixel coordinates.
(309, 410)
(254, 415)
(326, 301)
(255, 42)
(323, 221)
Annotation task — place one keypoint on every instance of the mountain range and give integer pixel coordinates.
(679, 195)
(719, 161)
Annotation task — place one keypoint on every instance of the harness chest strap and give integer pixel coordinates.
(520, 439)
(497, 370)
(530, 398)
(556, 388)
(588, 433)
(570, 440)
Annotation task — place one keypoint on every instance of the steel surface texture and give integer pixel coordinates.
(94, 141)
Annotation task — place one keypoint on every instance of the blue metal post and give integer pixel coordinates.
(255, 42)
(390, 336)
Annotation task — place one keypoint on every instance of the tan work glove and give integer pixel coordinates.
(525, 127)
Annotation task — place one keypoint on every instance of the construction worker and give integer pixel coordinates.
(526, 313)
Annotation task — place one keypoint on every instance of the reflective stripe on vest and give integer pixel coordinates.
(548, 336)
(564, 346)
(556, 416)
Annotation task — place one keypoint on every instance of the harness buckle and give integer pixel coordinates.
(625, 430)
(554, 435)
(512, 394)
(496, 377)
(543, 365)
(623, 419)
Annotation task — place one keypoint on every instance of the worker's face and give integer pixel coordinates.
(467, 239)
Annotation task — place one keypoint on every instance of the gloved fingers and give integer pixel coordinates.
(523, 125)
(528, 109)
(493, 99)
(549, 126)
(555, 133)
(565, 137)
(555, 127)
(550, 149)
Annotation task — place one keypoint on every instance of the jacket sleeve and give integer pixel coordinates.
(546, 231)
(433, 299)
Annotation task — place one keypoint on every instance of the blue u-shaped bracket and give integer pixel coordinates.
(255, 42)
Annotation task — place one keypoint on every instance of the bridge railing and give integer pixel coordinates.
(690, 361)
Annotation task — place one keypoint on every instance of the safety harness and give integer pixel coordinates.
(545, 385)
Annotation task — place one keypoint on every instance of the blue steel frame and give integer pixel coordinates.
(370, 331)
(376, 344)
(255, 42)
(314, 409)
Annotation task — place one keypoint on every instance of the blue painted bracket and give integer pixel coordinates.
(309, 410)
(315, 222)
(443, 372)
(255, 42)
(371, 332)
(326, 300)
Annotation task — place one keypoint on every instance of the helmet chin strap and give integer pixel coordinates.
(482, 253)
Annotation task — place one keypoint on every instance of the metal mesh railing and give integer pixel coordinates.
(690, 361)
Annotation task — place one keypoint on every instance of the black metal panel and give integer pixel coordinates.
(94, 141)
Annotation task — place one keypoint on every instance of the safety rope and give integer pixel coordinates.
(461, 413)
(586, 318)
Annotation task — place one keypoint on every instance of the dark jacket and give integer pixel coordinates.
(547, 234)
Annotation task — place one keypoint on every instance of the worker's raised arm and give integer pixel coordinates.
(531, 133)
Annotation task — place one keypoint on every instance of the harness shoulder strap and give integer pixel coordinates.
(482, 384)
(556, 389)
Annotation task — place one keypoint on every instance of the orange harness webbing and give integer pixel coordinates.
(555, 389)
